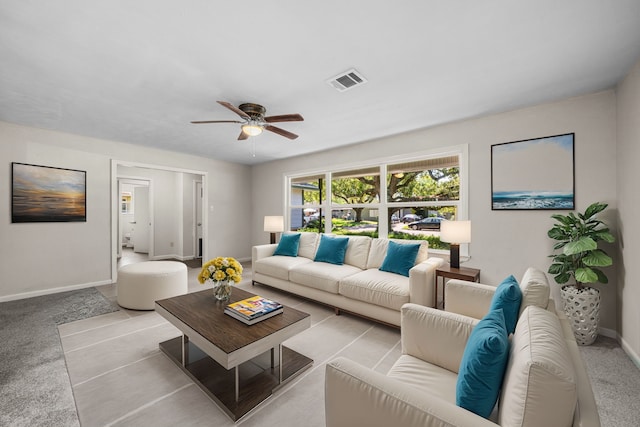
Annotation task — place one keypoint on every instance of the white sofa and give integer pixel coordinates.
(357, 286)
(545, 383)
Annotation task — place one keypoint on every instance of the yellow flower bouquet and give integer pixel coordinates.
(223, 272)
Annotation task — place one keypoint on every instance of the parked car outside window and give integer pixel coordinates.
(411, 218)
(432, 223)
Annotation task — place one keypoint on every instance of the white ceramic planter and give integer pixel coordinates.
(582, 307)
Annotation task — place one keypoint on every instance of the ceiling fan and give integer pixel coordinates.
(254, 121)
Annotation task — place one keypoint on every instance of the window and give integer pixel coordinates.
(355, 201)
(306, 202)
(416, 195)
(125, 203)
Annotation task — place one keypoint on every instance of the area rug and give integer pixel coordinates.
(34, 384)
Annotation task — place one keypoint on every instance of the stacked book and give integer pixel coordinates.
(253, 310)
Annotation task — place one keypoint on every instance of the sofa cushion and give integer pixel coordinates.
(321, 275)
(278, 266)
(376, 287)
(508, 297)
(535, 289)
(307, 246)
(288, 245)
(400, 258)
(331, 249)
(378, 251)
(483, 365)
(539, 386)
(425, 377)
(358, 251)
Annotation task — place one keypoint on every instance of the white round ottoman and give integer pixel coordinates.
(140, 285)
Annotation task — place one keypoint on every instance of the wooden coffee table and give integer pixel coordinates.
(237, 365)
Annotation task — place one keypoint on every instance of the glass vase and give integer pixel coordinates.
(222, 290)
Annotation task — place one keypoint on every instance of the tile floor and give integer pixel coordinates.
(120, 378)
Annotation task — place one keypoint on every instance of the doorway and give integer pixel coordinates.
(134, 219)
(197, 210)
(184, 242)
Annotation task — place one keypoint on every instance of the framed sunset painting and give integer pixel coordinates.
(533, 174)
(47, 194)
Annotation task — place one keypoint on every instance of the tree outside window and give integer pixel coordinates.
(358, 203)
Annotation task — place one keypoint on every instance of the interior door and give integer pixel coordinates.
(141, 221)
(198, 210)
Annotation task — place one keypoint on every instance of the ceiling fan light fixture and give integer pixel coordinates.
(252, 129)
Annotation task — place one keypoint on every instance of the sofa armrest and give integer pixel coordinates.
(435, 336)
(469, 298)
(262, 251)
(358, 396)
(422, 279)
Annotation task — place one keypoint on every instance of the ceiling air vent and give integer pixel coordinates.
(347, 80)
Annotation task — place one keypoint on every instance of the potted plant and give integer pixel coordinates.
(580, 260)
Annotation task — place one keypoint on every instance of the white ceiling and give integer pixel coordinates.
(140, 71)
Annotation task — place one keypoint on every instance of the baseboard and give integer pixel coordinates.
(625, 346)
(630, 352)
(32, 294)
(610, 333)
(178, 257)
(189, 257)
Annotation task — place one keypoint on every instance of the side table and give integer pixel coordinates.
(448, 272)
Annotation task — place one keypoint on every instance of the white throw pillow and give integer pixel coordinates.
(358, 251)
(307, 246)
(535, 289)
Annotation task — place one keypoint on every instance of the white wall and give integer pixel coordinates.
(503, 242)
(628, 114)
(38, 258)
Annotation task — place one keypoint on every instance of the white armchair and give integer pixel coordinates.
(419, 389)
(545, 383)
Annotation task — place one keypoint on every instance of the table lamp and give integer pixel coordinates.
(455, 232)
(273, 225)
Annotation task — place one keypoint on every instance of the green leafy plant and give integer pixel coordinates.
(578, 237)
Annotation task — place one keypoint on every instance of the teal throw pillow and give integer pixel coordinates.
(400, 258)
(332, 249)
(483, 365)
(288, 245)
(508, 297)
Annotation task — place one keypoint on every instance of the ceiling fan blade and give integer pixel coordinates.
(242, 136)
(234, 109)
(284, 118)
(280, 131)
(197, 122)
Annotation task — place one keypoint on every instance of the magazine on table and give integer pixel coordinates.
(253, 321)
(253, 309)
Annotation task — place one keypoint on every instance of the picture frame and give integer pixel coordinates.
(534, 174)
(47, 194)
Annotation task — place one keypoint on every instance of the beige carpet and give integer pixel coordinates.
(34, 385)
(615, 381)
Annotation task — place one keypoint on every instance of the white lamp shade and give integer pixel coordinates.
(455, 231)
(274, 224)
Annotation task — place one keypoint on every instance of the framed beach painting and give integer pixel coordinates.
(47, 194)
(533, 174)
